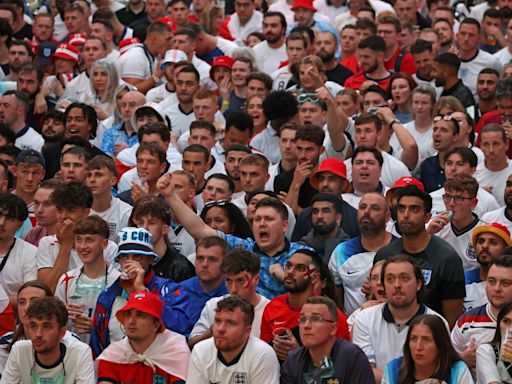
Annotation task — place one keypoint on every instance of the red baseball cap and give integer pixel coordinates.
(144, 301)
(404, 181)
(496, 228)
(307, 4)
(66, 51)
(169, 21)
(221, 61)
(334, 166)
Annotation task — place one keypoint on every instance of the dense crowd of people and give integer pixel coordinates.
(255, 191)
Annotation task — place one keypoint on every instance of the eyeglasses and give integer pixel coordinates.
(314, 319)
(458, 199)
(298, 267)
(216, 203)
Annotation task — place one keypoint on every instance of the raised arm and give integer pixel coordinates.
(408, 143)
(183, 213)
(337, 122)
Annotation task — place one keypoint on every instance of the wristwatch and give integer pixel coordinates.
(395, 121)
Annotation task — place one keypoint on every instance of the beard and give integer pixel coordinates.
(324, 228)
(271, 38)
(372, 68)
(371, 229)
(298, 287)
(440, 82)
(326, 56)
(508, 202)
(53, 138)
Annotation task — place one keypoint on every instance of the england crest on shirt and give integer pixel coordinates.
(240, 378)
(427, 274)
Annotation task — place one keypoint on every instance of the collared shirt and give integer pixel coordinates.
(117, 133)
(379, 336)
(268, 286)
(432, 175)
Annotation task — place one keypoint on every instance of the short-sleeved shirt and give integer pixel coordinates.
(198, 297)
(268, 286)
(441, 267)
(20, 266)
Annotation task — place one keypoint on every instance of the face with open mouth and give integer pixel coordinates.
(269, 228)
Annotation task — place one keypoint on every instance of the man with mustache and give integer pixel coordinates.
(350, 262)
(440, 264)
(271, 52)
(325, 218)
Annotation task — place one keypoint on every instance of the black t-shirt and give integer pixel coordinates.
(461, 92)
(174, 266)
(24, 33)
(283, 181)
(127, 17)
(339, 74)
(442, 270)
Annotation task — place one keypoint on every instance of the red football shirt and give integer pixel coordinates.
(133, 373)
(278, 313)
(407, 65)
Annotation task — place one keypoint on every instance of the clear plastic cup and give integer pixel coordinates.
(506, 346)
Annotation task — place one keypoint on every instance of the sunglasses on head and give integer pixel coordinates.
(216, 203)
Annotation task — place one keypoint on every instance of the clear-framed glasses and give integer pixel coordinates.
(314, 319)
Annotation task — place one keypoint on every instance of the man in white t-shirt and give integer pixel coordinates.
(241, 270)
(271, 52)
(56, 254)
(493, 172)
(13, 112)
(79, 288)
(137, 66)
(243, 22)
(167, 90)
(232, 354)
(181, 114)
(101, 177)
(375, 327)
(504, 55)
(462, 160)
(368, 129)
(296, 50)
(472, 60)
(45, 358)
(18, 258)
(460, 199)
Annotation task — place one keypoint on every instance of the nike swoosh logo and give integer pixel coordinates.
(351, 272)
(279, 322)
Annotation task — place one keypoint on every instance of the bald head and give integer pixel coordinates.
(129, 103)
(373, 213)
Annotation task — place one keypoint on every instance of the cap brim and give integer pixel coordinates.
(496, 231)
(136, 249)
(127, 307)
(313, 181)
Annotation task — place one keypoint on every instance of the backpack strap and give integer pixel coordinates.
(399, 60)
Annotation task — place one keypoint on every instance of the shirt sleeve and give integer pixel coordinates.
(204, 322)
(266, 369)
(452, 275)
(458, 340)
(60, 290)
(85, 373)
(197, 372)
(44, 255)
(334, 267)
(486, 368)
(266, 331)
(11, 373)
(136, 67)
(30, 267)
(361, 336)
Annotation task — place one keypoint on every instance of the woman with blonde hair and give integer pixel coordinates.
(104, 82)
